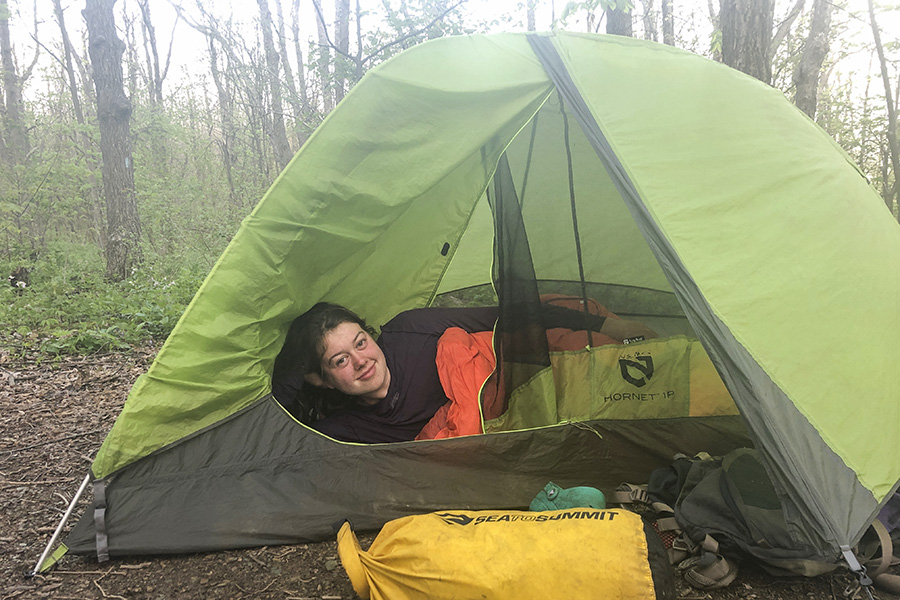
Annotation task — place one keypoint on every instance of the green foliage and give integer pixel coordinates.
(68, 308)
(573, 7)
(715, 42)
(480, 295)
(413, 23)
(52, 223)
(592, 7)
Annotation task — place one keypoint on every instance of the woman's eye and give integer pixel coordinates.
(340, 362)
(360, 343)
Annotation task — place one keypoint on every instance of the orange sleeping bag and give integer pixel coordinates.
(464, 361)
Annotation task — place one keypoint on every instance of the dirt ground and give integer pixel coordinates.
(53, 417)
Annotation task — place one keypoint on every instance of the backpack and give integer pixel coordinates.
(727, 506)
(732, 500)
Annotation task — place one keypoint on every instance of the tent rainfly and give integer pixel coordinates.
(698, 199)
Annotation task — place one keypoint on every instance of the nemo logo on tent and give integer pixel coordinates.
(452, 519)
(643, 369)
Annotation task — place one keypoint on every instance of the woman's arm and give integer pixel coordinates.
(434, 321)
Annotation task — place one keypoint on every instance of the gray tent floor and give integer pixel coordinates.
(53, 417)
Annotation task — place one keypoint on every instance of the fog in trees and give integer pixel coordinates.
(153, 138)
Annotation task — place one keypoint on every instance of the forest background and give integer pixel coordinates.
(135, 135)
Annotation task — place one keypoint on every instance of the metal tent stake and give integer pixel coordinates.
(59, 528)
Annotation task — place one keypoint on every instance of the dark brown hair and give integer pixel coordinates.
(308, 331)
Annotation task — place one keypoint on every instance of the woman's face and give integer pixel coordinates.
(353, 363)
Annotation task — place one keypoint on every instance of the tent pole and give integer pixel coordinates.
(62, 523)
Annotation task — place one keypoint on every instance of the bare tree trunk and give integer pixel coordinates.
(862, 156)
(888, 192)
(324, 62)
(226, 105)
(155, 72)
(529, 14)
(649, 19)
(293, 96)
(123, 250)
(93, 192)
(784, 28)
(716, 21)
(16, 136)
(668, 23)
(806, 74)
(746, 36)
(358, 60)
(301, 69)
(83, 81)
(342, 45)
(280, 143)
(67, 63)
(618, 22)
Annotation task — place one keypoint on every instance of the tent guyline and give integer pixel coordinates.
(732, 223)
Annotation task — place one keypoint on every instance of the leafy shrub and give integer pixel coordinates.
(68, 307)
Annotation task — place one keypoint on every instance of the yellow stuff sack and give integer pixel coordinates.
(516, 555)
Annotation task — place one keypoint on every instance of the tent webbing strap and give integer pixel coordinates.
(100, 520)
(859, 570)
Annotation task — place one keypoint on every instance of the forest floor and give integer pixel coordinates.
(53, 417)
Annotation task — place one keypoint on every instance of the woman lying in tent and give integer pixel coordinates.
(419, 380)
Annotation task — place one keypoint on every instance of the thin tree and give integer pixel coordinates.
(240, 86)
(68, 65)
(784, 28)
(123, 250)
(806, 74)
(280, 143)
(226, 108)
(14, 143)
(341, 45)
(649, 19)
(323, 60)
(668, 22)
(298, 51)
(293, 96)
(69, 61)
(156, 74)
(360, 59)
(888, 191)
(131, 64)
(11, 96)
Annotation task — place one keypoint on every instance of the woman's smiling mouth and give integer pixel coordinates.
(367, 374)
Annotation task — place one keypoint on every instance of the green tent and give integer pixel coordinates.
(699, 200)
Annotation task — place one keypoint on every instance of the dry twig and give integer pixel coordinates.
(102, 591)
(257, 561)
(271, 583)
(105, 595)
